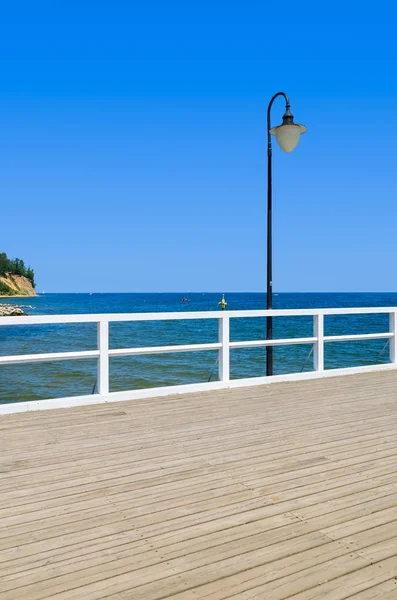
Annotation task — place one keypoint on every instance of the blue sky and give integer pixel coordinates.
(133, 144)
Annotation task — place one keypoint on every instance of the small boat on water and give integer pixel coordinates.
(185, 300)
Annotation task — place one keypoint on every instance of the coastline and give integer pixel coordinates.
(19, 296)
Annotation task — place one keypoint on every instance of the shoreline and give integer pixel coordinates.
(18, 296)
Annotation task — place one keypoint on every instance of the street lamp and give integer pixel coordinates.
(287, 135)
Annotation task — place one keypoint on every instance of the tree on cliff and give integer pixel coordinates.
(5, 264)
(15, 267)
(30, 275)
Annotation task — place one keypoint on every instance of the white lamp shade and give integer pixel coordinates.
(288, 136)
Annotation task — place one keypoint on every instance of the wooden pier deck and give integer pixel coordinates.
(265, 493)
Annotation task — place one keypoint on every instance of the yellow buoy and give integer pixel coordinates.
(223, 302)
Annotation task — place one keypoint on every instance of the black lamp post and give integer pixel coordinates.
(287, 135)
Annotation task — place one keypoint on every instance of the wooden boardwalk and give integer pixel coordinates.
(266, 493)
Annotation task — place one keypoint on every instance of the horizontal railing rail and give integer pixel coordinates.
(184, 316)
(103, 353)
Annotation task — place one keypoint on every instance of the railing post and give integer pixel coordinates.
(224, 352)
(393, 340)
(103, 360)
(318, 332)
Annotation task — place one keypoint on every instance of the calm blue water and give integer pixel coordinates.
(69, 378)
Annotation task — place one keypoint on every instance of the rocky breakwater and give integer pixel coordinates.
(11, 310)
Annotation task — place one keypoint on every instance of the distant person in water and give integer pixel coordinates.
(222, 303)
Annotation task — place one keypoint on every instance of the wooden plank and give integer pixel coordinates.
(246, 580)
(353, 583)
(241, 493)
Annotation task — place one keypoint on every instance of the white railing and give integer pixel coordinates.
(103, 353)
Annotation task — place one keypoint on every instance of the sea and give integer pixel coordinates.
(40, 381)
